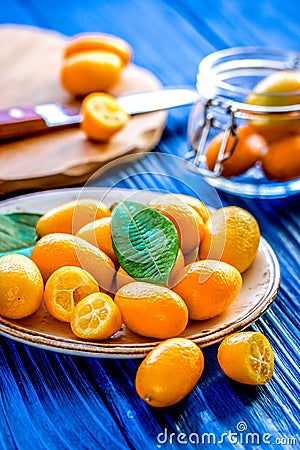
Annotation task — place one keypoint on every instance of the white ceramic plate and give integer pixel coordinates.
(260, 285)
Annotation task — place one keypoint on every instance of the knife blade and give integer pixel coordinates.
(21, 121)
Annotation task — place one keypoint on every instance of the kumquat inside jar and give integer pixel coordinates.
(244, 132)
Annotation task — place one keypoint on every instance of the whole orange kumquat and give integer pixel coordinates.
(151, 310)
(21, 286)
(169, 372)
(69, 217)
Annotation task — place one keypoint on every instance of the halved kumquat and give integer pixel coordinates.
(65, 288)
(102, 116)
(247, 357)
(96, 317)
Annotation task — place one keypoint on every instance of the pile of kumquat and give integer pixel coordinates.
(75, 269)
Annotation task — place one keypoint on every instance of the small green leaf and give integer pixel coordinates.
(17, 231)
(145, 242)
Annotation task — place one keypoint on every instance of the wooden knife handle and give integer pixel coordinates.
(20, 121)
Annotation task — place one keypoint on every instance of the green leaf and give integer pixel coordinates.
(145, 242)
(17, 231)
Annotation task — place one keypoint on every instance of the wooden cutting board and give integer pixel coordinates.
(30, 60)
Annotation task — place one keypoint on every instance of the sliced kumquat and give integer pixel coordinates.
(247, 357)
(65, 288)
(96, 317)
(102, 116)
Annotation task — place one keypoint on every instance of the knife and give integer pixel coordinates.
(23, 121)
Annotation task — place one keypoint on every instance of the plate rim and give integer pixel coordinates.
(126, 351)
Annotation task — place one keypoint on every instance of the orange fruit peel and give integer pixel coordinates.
(282, 160)
(247, 357)
(169, 372)
(280, 88)
(208, 288)
(21, 286)
(233, 236)
(96, 317)
(98, 233)
(151, 310)
(57, 250)
(249, 149)
(65, 288)
(196, 204)
(102, 116)
(90, 71)
(69, 217)
(189, 224)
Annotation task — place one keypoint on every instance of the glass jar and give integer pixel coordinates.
(224, 81)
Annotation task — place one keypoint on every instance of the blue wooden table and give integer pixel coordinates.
(54, 401)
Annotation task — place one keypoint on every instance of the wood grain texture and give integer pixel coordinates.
(53, 401)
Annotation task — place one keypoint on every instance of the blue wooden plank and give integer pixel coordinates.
(143, 19)
(228, 24)
(45, 399)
